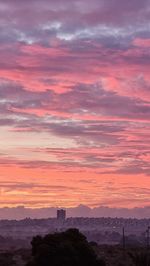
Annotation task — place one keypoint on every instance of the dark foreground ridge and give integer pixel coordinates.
(71, 248)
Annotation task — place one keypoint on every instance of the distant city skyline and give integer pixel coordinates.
(75, 103)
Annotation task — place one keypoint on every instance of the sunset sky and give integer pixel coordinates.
(75, 103)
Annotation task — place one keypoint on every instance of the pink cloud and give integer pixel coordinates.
(74, 98)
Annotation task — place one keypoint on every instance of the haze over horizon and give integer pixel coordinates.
(75, 103)
(21, 212)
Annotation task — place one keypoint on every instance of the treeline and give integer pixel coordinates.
(71, 248)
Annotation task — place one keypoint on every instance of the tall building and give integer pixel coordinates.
(61, 215)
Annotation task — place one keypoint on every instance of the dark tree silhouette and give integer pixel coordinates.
(68, 248)
(141, 258)
(6, 259)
